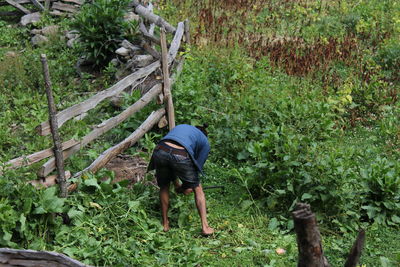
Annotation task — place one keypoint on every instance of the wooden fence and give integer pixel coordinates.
(167, 62)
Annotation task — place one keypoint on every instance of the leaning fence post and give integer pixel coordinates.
(54, 129)
(169, 105)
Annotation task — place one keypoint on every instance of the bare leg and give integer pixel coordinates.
(201, 207)
(164, 200)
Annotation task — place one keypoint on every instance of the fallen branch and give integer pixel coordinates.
(110, 153)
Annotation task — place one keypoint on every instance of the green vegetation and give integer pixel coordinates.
(101, 26)
(302, 106)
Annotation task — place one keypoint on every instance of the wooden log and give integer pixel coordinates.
(77, 2)
(176, 42)
(37, 156)
(149, 49)
(147, 35)
(37, 4)
(308, 238)
(75, 110)
(169, 105)
(150, 16)
(50, 165)
(58, 152)
(110, 153)
(64, 7)
(18, 6)
(355, 251)
(48, 181)
(21, 2)
(19, 257)
(104, 127)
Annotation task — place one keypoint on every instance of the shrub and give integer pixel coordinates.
(101, 26)
(382, 196)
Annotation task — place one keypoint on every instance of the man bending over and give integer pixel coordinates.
(181, 154)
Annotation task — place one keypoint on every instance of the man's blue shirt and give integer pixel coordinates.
(193, 140)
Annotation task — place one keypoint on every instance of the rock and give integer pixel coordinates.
(50, 30)
(130, 16)
(47, 31)
(122, 51)
(30, 18)
(10, 54)
(72, 42)
(114, 62)
(140, 61)
(72, 34)
(38, 40)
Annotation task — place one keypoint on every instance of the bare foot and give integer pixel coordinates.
(166, 227)
(207, 231)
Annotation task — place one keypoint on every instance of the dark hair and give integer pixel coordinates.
(203, 128)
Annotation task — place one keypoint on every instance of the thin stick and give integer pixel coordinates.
(187, 31)
(169, 105)
(54, 129)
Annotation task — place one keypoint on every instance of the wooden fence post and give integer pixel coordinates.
(54, 129)
(169, 105)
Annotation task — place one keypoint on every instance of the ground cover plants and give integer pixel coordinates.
(309, 113)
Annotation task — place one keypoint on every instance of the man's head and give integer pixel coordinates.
(203, 128)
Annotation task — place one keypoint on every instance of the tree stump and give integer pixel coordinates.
(308, 238)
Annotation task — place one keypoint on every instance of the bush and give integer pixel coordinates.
(101, 26)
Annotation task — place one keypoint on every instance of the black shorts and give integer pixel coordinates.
(170, 165)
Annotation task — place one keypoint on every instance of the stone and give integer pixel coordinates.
(72, 34)
(30, 18)
(10, 54)
(130, 16)
(47, 31)
(72, 42)
(122, 51)
(39, 39)
(50, 30)
(114, 62)
(140, 61)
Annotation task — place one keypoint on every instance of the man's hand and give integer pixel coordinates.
(180, 190)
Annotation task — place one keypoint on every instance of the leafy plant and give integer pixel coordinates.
(101, 27)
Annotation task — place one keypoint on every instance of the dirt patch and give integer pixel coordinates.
(128, 167)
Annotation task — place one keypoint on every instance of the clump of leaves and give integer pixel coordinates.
(101, 26)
